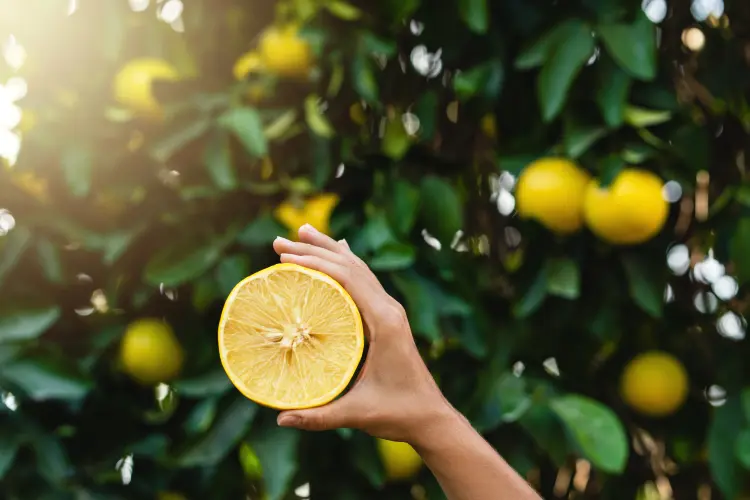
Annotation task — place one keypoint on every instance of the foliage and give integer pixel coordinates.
(120, 217)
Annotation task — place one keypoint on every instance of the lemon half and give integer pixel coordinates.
(290, 337)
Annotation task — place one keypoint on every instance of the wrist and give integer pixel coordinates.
(442, 422)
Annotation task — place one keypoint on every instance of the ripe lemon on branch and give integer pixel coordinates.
(284, 53)
(631, 210)
(551, 191)
(654, 383)
(250, 63)
(290, 337)
(133, 85)
(399, 459)
(315, 211)
(150, 353)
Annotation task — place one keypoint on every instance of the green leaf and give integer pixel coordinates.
(441, 208)
(726, 424)
(546, 429)
(200, 417)
(633, 46)
(42, 380)
(422, 310)
(475, 14)
(10, 443)
(596, 430)
(13, 247)
(165, 148)
(364, 455)
(392, 257)
(612, 92)
(77, 163)
(579, 138)
(485, 79)
(230, 271)
(426, 109)
(646, 284)
(534, 295)
(563, 278)
(317, 122)
(343, 10)
(561, 68)
(52, 460)
(742, 448)
(261, 231)
(26, 323)
(364, 79)
(536, 54)
(641, 117)
(246, 125)
(276, 448)
(230, 427)
(214, 383)
(507, 401)
(403, 206)
(49, 260)
(181, 262)
(740, 250)
(280, 125)
(217, 158)
(396, 141)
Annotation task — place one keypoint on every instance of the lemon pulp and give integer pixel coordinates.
(290, 337)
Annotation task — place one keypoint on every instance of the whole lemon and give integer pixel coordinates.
(315, 211)
(654, 383)
(399, 460)
(284, 53)
(133, 84)
(150, 352)
(551, 191)
(629, 211)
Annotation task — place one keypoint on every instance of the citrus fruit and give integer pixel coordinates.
(315, 211)
(133, 84)
(551, 191)
(290, 337)
(284, 53)
(247, 64)
(629, 211)
(654, 383)
(150, 352)
(399, 459)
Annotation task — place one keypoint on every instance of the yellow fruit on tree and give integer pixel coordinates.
(133, 84)
(654, 383)
(629, 211)
(399, 459)
(290, 337)
(551, 191)
(250, 63)
(150, 353)
(284, 53)
(315, 211)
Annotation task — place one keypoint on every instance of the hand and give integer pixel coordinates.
(395, 396)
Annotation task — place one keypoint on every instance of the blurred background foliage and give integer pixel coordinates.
(153, 150)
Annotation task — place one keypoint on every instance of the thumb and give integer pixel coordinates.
(331, 416)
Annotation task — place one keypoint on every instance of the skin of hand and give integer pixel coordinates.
(395, 396)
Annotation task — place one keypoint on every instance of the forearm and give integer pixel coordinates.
(466, 466)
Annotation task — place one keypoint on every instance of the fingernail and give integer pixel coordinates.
(281, 238)
(308, 227)
(288, 420)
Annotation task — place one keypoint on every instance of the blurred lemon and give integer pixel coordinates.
(133, 84)
(489, 125)
(247, 64)
(399, 460)
(170, 495)
(629, 211)
(284, 53)
(31, 184)
(551, 191)
(654, 383)
(315, 211)
(150, 352)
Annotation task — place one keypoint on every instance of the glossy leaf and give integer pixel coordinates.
(475, 14)
(181, 262)
(246, 125)
(276, 448)
(563, 278)
(42, 380)
(726, 425)
(646, 285)
(218, 161)
(633, 46)
(441, 208)
(612, 92)
(26, 323)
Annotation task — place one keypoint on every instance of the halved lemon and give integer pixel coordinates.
(290, 337)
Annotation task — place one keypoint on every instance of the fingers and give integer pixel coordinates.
(283, 245)
(332, 269)
(308, 234)
(331, 416)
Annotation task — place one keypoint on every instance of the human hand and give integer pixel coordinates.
(395, 396)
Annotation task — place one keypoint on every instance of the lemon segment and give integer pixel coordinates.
(290, 337)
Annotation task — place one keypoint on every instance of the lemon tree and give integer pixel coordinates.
(557, 192)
